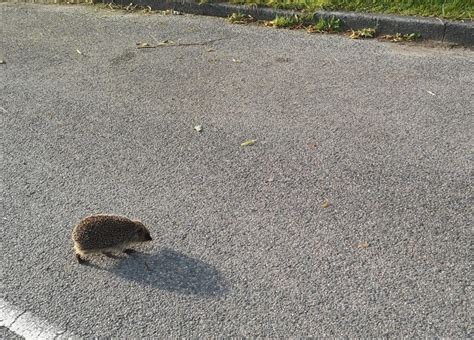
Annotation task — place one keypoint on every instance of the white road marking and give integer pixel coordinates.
(27, 325)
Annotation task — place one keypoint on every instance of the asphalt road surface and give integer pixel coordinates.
(348, 217)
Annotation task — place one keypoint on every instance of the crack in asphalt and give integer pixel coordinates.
(16, 318)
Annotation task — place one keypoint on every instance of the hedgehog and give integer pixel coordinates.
(107, 234)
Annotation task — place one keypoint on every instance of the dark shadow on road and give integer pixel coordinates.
(172, 271)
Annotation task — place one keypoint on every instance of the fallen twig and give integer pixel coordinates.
(167, 43)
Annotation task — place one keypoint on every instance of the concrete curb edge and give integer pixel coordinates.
(429, 28)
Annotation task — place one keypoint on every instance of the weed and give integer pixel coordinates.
(284, 21)
(129, 8)
(330, 25)
(296, 21)
(239, 18)
(402, 37)
(363, 33)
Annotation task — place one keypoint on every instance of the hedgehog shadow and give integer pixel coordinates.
(172, 271)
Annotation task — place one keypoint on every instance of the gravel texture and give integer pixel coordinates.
(244, 246)
(6, 334)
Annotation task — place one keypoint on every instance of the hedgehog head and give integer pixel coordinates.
(142, 233)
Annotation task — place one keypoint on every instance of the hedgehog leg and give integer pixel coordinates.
(129, 251)
(80, 259)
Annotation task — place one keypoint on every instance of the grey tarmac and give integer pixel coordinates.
(348, 217)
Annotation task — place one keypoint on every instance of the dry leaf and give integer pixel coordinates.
(312, 145)
(249, 142)
(362, 33)
(210, 50)
(325, 204)
(170, 12)
(363, 245)
(198, 128)
(144, 45)
(238, 18)
(354, 35)
(166, 42)
(129, 7)
(402, 37)
(238, 61)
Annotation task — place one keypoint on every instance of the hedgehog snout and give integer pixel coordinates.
(146, 236)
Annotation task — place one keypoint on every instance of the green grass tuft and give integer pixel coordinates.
(328, 25)
(285, 22)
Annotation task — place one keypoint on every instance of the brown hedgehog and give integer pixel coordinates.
(107, 234)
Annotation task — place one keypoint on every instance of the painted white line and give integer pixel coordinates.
(27, 325)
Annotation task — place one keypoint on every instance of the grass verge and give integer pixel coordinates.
(449, 9)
